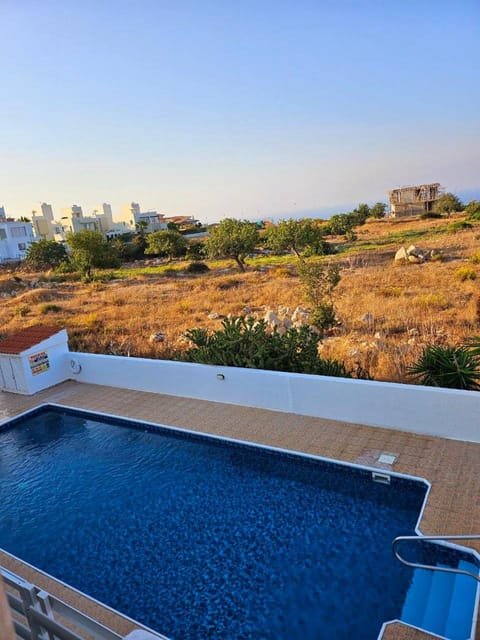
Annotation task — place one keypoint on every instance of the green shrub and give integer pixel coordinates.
(319, 280)
(246, 342)
(465, 273)
(197, 267)
(460, 225)
(45, 254)
(66, 267)
(451, 367)
(323, 316)
(195, 251)
(50, 308)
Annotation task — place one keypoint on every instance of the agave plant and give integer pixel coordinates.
(473, 346)
(452, 367)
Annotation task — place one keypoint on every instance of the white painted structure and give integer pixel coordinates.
(447, 413)
(75, 211)
(43, 360)
(15, 238)
(152, 220)
(131, 215)
(74, 221)
(45, 226)
(128, 213)
(36, 367)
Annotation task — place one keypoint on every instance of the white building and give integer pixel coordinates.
(73, 220)
(75, 211)
(101, 219)
(103, 212)
(44, 225)
(150, 221)
(128, 213)
(15, 238)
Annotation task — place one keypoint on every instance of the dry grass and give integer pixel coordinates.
(386, 313)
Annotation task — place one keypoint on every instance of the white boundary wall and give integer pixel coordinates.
(447, 413)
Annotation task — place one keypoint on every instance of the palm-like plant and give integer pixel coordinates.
(473, 346)
(449, 366)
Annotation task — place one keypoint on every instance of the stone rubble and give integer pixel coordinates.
(414, 255)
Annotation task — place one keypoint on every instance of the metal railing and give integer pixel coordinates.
(421, 538)
(38, 615)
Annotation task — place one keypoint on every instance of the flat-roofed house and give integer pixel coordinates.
(15, 238)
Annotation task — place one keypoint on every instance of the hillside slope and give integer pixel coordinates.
(386, 312)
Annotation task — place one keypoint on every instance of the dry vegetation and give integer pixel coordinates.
(386, 312)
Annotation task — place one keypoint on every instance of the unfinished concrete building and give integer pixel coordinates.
(413, 201)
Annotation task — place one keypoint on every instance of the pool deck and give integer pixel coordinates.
(452, 467)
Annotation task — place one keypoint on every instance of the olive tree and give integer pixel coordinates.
(169, 243)
(448, 203)
(378, 210)
(232, 239)
(89, 250)
(297, 236)
(472, 210)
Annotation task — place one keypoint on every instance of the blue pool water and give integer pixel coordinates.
(199, 538)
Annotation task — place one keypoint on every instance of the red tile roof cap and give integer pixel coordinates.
(26, 338)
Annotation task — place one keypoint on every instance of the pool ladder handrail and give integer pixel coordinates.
(418, 565)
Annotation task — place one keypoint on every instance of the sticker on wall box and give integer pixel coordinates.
(39, 362)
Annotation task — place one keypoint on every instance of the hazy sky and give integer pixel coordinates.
(251, 108)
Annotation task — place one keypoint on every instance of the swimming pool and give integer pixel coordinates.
(202, 538)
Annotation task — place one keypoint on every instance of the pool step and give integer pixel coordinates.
(442, 603)
(438, 603)
(417, 597)
(462, 603)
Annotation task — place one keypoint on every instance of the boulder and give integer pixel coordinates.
(415, 251)
(401, 256)
(415, 254)
(283, 311)
(415, 259)
(297, 324)
(272, 319)
(300, 316)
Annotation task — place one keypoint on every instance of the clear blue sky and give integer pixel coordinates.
(257, 108)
